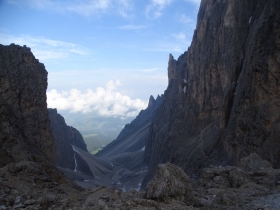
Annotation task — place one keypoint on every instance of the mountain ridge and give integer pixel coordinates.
(65, 138)
(224, 90)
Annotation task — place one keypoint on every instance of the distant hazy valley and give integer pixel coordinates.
(97, 131)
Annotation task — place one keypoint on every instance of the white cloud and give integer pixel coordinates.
(155, 9)
(196, 2)
(132, 27)
(45, 49)
(151, 70)
(179, 45)
(86, 8)
(105, 101)
(186, 20)
(97, 7)
(180, 37)
(89, 8)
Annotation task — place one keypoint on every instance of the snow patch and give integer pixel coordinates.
(250, 19)
(143, 149)
(140, 172)
(185, 89)
(185, 81)
(75, 149)
(139, 186)
(124, 189)
(110, 163)
(75, 170)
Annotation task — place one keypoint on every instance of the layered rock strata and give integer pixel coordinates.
(223, 98)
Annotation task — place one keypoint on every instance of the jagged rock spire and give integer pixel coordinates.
(151, 101)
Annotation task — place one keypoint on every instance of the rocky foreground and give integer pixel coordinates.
(253, 185)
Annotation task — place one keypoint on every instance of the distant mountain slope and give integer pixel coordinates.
(90, 123)
(65, 138)
(223, 98)
(96, 142)
(128, 149)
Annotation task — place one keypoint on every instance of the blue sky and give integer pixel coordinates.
(104, 56)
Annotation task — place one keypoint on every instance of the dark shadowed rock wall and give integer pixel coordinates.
(65, 136)
(24, 122)
(223, 98)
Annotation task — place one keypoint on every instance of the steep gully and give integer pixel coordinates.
(119, 164)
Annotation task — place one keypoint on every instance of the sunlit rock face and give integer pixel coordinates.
(25, 129)
(223, 98)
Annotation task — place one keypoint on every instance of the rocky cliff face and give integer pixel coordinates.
(25, 129)
(223, 98)
(132, 139)
(65, 136)
(27, 173)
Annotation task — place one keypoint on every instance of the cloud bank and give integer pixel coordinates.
(105, 102)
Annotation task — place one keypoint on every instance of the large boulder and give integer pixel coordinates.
(170, 182)
(254, 162)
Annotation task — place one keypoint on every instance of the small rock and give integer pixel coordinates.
(237, 177)
(117, 192)
(17, 200)
(20, 205)
(3, 207)
(29, 202)
(101, 203)
(105, 198)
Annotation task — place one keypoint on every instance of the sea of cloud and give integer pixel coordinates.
(107, 102)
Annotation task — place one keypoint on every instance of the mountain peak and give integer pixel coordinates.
(151, 101)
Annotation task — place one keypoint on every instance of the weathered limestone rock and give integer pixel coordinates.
(24, 122)
(170, 182)
(222, 102)
(27, 146)
(254, 162)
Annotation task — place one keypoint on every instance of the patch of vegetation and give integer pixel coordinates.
(96, 142)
